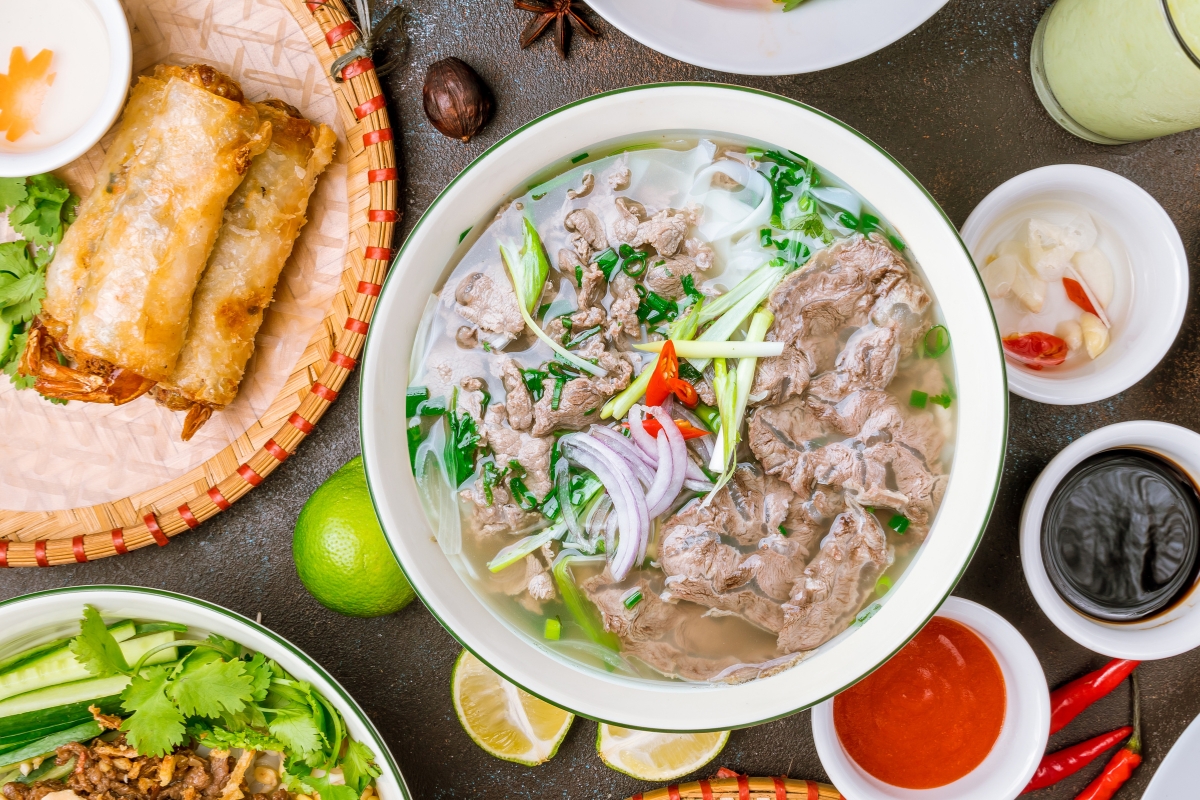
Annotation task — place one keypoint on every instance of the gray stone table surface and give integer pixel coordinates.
(953, 102)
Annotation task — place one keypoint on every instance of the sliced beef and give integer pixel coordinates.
(587, 232)
(899, 477)
(872, 416)
(618, 177)
(837, 288)
(470, 399)
(630, 214)
(752, 505)
(699, 251)
(745, 603)
(782, 556)
(581, 398)
(587, 183)
(783, 436)
(868, 361)
(490, 305)
(518, 402)
(836, 584)
(665, 275)
(531, 452)
(905, 305)
(591, 292)
(501, 516)
(622, 313)
(665, 231)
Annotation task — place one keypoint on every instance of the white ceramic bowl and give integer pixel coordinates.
(1016, 754)
(766, 41)
(43, 616)
(1146, 318)
(1161, 636)
(120, 60)
(474, 196)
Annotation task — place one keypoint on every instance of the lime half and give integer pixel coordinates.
(506, 721)
(656, 756)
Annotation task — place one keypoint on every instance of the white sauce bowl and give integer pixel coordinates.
(1147, 320)
(18, 164)
(1166, 634)
(1017, 752)
(647, 112)
(37, 618)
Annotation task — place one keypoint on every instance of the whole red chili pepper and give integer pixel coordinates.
(1121, 766)
(1067, 702)
(1058, 765)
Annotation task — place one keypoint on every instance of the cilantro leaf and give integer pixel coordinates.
(330, 791)
(229, 647)
(219, 738)
(15, 261)
(12, 191)
(15, 348)
(358, 766)
(210, 688)
(21, 298)
(96, 648)
(155, 726)
(260, 675)
(42, 215)
(297, 730)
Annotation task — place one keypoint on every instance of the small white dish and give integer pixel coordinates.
(756, 37)
(111, 16)
(1179, 774)
(1166, 634)
(1147, 256)
(1016, 754)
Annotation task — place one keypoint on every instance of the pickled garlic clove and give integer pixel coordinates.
(1014, 248)
(1097, 272)
(1095, 334)
(998, 276)
(1080, 233)
(1071, 333)
(1030, 289)
(1051, 246)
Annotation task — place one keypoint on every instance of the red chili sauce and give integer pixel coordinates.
(930, 715)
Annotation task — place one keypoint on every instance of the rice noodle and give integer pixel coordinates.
(562, 483)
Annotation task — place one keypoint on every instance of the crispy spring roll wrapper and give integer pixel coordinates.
(137, 299)
(65, 276)
(262, 221)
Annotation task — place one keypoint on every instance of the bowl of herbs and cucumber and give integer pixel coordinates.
(159, 691)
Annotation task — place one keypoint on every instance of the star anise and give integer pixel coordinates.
(565, 14)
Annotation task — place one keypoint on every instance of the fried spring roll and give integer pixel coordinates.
(137, 298)
(262, 221)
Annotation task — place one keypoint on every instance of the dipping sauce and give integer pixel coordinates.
(54, 71)
(1120, 535)
(930, 715)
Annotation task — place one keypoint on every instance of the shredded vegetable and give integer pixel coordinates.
(702, 349)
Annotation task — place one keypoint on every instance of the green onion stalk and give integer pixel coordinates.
(528, 270)
(733, 394)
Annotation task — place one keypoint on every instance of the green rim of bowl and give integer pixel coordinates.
(380, 745)
(390, 284)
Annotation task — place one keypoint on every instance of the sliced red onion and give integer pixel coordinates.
(679, 459)
(562, 483)
(694, 473)
(628, 499)
(657, 497)
(627, 450)
(640, 437)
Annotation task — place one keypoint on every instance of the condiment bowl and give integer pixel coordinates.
(1016, 754)
(43, 616)
(1145, 321)
(1169, 633)
(640, 115)
(120, 62)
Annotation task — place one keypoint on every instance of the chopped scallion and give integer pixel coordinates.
(918, 399)
(898, 523)
(413, 399)
(883, 585)
(937, 341)
(552, 629)
(783, 531)
(579, 158)
(631, 598)
(607, 261)
(556, 396)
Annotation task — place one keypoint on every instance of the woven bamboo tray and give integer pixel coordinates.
(151, 518)
(741, 787)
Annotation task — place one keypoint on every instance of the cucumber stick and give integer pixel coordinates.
(51, 696)
(48, 744)
(60, 666)
(125, 629)
(19, 729)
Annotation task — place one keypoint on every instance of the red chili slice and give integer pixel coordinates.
(685, 392)
(1036, 350)
(1077, 295)
(652, 426)
(666, 369)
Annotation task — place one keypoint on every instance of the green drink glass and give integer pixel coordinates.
(1119, 71)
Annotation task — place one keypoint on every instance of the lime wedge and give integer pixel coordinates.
(507, 722)
(655, 756)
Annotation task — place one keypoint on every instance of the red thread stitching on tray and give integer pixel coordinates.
(249, 475)
(780, 789)
(743, 787)
(371, 106)
(673, 792)
(324, 392)
(300, 423)
(275, 450)
(118, 540)
(382, 215)
(370, 289)
(155, 531)
(382, 174)
(185, 514)
(813, 792)
(218, 499)
(377, 253)
(375, 137)
(356, 68)
(39, 553)
(339, 32)
(706, 790)
(342, 360)
(78, 549)
(356, 326)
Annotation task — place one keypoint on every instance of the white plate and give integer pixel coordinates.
(36, 618)
(1144, 243)
(474, 196)
(1015, 756)
(1163, 635)
(750, 41)
(1179, 774)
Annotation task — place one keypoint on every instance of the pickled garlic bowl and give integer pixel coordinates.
(635, 116)
(1087, 277)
